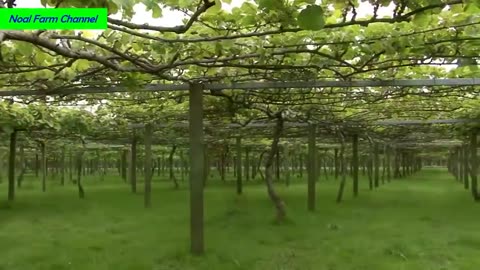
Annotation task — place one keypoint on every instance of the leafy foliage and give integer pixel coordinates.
(262, 40)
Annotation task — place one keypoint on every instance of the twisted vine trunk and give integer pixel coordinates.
(277, 201)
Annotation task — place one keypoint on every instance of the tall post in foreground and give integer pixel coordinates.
(239, 164)
(196, 168)
(148, 165)
(474, 164)
(355, 164)
(311, 167)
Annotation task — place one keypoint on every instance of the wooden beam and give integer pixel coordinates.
(249, 86)
(233, 125)
(393, 122)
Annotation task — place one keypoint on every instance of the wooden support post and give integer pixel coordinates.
(81, 191)
(459, 164)
(318, 165)
(21, 165)
(343, 168)
(376, 165)
(396, 170)
(247, 163)
(123, 164)
(44, 165)
(465, 167)
(455, 163)
(239, 164)
(253, 170)
(300, 165)
(364, 167)
(11, 165)
(277, 164)
(355, 164)
(70, 165)
(182, 165)
(133, 163)
(206, 162)
(196, 168)
(311, 166)
(37, 164)
(1, 166)
(148, 165)
(325, 163)
(388, 163)
(164, 163)
(63, 165)
(370, 170)
(336, 162)
(474, 164)
(287, 164)
(384, 163)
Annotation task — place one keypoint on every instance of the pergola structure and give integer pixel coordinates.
(197, 137)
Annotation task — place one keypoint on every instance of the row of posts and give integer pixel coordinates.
(463, 164)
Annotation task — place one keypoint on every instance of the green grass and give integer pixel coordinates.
(425, 222)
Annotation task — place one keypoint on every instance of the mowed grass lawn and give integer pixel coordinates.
(427, 221)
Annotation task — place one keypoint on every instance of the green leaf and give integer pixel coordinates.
(311, 18)
(184, 3)
(112, 8)
(24, 49)
(420, 19)
(472, 8)
(216, 8)
(68, 74)
(248, 20)
(157, 11)
(82, 65)
(301, 2)
(121, 2)
(40, 58)
(473, 2)
(270, 4)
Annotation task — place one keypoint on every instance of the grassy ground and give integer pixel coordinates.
(424, 222)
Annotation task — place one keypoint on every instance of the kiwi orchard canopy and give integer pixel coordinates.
(308, 70)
